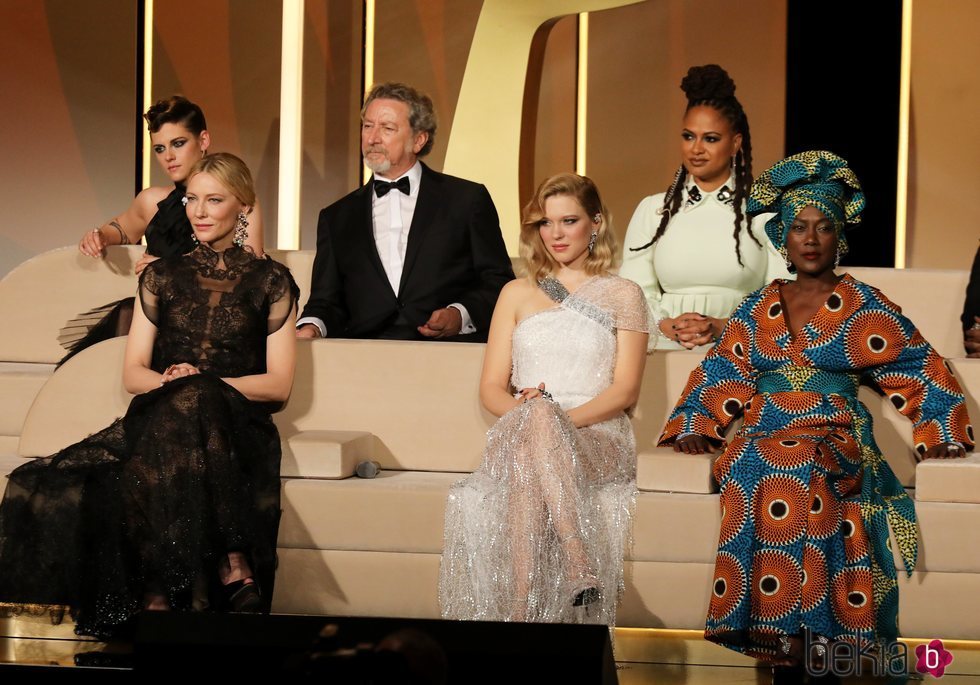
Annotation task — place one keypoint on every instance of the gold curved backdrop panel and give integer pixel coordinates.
(332, 52)
(67, 118)
(68, 122)
(224, 55)
(944, 160)
(637, 57)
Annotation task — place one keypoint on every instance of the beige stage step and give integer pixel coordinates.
(324, 454)
(658, 594)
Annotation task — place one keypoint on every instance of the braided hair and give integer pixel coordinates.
(711, 85)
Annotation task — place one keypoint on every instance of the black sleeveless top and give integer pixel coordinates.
(169, 232)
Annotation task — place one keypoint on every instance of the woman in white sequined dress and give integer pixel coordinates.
(537, 532)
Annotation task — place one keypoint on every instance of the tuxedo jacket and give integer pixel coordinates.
(455, 254)
(971, 307)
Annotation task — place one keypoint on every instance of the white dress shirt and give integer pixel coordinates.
(391, 221)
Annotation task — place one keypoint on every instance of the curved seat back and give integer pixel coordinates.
(931, 298)
(41, 295)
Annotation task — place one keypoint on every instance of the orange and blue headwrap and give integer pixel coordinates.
(816, 178)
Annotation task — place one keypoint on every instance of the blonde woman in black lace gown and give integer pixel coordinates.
(176, 504)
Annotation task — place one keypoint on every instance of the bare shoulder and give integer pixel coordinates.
(515, 296)
(147, 200)
(517, 288)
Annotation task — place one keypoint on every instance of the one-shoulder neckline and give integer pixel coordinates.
(571, 294)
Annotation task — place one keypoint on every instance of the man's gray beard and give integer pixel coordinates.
(378, 167)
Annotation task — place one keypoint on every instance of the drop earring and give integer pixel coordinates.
(592, 240)
(241, 230)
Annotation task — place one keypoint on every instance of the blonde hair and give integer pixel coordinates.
(231, 172)
(538, 262)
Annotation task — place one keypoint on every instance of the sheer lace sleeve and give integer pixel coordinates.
(152, 282)
(630, 307)
(283, 296)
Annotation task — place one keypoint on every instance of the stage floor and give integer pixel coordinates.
(664, 657)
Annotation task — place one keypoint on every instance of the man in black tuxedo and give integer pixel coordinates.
(413, 254)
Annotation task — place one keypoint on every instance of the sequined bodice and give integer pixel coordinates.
(571, 354)
(571, 347)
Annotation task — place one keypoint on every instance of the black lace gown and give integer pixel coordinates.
(154, 502)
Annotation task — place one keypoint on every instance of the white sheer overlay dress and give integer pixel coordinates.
(548, 512)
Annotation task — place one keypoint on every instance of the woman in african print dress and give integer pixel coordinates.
(806, 495)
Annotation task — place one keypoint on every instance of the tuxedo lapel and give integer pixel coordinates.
(426, 208)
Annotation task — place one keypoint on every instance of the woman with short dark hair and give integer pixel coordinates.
(179, 137)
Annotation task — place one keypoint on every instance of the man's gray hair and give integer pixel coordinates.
(421, 114)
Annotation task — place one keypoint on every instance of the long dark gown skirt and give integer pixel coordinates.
(151, 504)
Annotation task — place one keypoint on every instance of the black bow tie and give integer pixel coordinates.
(382, 187)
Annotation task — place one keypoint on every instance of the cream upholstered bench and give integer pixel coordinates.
(413, 407)
(42, 294)
(371, 547)
(36, 299)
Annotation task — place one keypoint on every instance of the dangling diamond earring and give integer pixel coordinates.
(837, 258)
(592, 241)
(785, 254)
(241, 230)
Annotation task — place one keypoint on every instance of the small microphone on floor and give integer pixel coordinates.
(367, 469)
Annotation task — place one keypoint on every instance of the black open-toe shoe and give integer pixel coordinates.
(589, 595)
(243, 597)
(789, 675)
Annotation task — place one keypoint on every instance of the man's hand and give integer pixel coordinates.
(444, 323)
(308, 331)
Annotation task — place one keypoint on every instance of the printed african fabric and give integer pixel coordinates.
(816, 178)
(806, 495)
